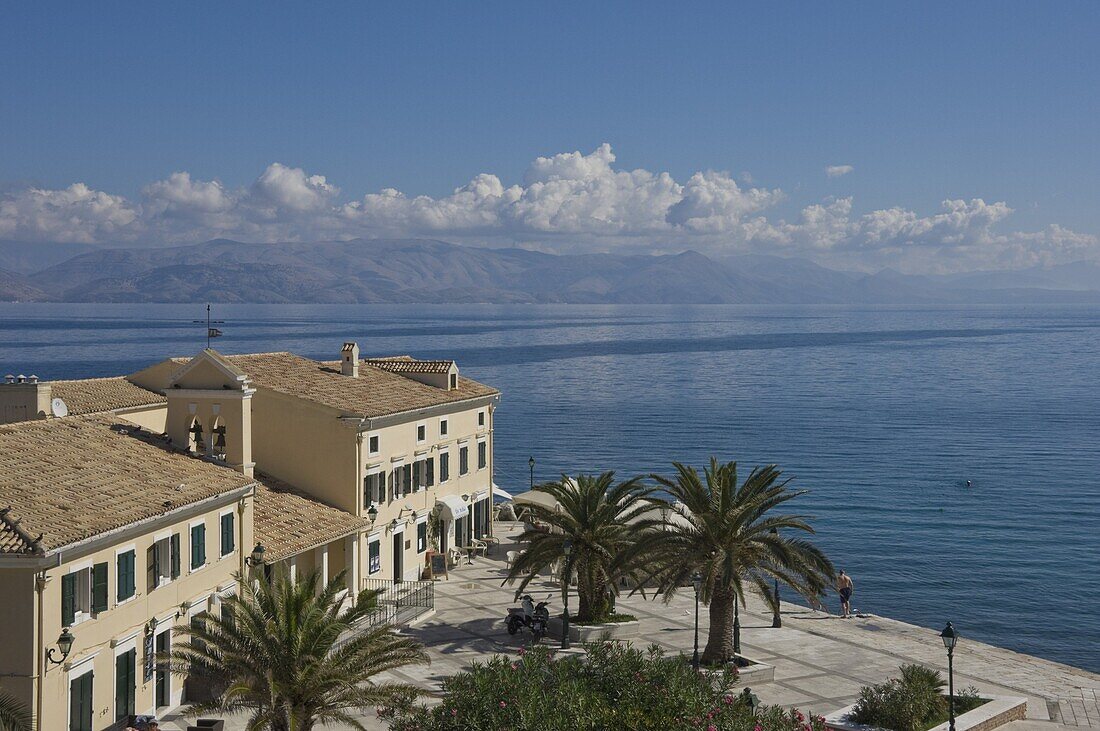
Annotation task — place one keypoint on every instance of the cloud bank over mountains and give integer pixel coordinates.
(566, 202)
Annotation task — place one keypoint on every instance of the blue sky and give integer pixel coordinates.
(926, 102)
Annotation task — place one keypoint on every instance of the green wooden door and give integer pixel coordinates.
(80, 703)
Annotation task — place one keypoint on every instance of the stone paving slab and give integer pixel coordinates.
(821, 660)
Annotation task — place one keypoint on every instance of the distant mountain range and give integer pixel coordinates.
(419, 270)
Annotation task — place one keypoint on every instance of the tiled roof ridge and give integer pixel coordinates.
(230, 356)
(30, 545)
(94, 378)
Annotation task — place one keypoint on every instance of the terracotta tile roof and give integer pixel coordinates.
(406, 364)
(287, 521)
(94, 395)
(13, 539)
(376, 392)
(72, 479)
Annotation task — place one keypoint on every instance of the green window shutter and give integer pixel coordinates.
(152, 569)
(68, 599)
(174, 546)
(431, 471)
(99, 587)
(125, 684)
(124, 576)
(227, 534)
(198, 546)
(80, 703)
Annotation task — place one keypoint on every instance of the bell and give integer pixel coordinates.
(219, 440)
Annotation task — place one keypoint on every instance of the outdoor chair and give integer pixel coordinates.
(510, 558)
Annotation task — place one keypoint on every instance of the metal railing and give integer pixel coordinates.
(400, 602)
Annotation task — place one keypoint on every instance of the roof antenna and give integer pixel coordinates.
(211, 332)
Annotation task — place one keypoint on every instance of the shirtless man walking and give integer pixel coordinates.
(845, 587)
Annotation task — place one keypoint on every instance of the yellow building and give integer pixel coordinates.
(130, 504)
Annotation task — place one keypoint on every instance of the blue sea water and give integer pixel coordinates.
(882, 414)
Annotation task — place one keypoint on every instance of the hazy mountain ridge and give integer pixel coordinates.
(421, 270)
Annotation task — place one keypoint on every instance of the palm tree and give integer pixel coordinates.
(603, 522)
(725, 533)
(279, 652)
(14, 715)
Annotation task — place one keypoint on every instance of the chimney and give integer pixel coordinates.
(24, 398)
(349, 360)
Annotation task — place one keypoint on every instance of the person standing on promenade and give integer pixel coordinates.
(845, 587)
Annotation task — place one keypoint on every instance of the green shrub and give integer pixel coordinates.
(609, 619)
(912, 702)
(614, 687)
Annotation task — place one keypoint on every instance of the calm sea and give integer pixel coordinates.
(883, 414)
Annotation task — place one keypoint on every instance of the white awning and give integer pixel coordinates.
(499, 493)
(453, 507)
(537, 497)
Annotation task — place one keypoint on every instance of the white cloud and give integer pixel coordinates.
(835, 171)
(74, 214)
(567, 202)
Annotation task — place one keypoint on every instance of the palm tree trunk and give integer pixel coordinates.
(719, 647)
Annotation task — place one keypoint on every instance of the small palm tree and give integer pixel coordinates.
(725, 532)
(282, 652)
(603, 521)
(14, 715)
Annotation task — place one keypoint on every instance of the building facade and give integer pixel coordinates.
(133, 504)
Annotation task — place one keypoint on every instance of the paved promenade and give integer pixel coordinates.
(820, 660)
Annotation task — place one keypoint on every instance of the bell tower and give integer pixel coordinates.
(210, 411)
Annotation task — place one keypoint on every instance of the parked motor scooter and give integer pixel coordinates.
(530, 615)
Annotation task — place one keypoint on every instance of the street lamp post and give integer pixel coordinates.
(777, 621)
(950, 637)
(566, 548)
(531, 464)
(697, 582)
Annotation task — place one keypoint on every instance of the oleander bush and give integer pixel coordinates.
(615, 686)
(912, 702)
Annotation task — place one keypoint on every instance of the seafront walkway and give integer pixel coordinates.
(820, 660)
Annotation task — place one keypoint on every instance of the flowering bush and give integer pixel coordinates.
(614, 687)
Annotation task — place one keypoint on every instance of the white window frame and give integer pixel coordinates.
(228, 511)
(482, 419)
(439, 469)
(422, 520)
(421, 426)
(82, 593)
(162, 544)
(190, 549)
(477, 456)
(376, 538)
(119, 552)
(374, 452)
(78, 669)
(376, 469)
